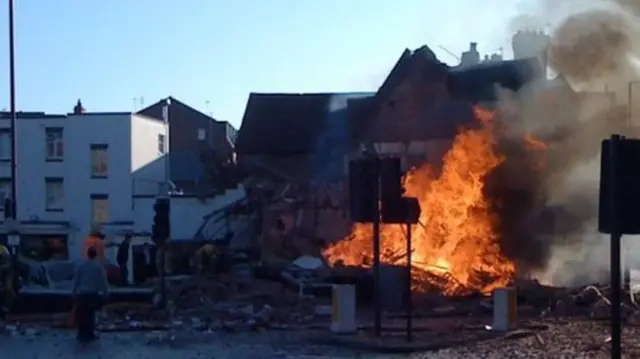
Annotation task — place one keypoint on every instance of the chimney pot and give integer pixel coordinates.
(79, 109)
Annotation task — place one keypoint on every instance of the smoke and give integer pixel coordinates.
(549, 218)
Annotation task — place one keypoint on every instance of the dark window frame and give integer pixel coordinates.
(47, 131)
(162, 143)
(7, 131)
(4, 180)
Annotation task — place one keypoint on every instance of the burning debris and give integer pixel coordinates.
(459, 242)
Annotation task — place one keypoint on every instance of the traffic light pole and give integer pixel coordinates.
(376, 257)
(163, 276)
(616, 236)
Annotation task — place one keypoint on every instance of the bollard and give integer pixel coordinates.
(343, 314)
(505, 307)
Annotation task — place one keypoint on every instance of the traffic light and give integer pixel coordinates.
(161, 230)
(391, 190)
(363, 189)
(627, 191)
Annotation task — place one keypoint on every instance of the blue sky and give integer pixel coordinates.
(212, 53)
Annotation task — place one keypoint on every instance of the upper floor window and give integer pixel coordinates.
(99, 209)
(232, 134)
(5, 190)
(99, 161)
(54, 194)
(202, 134)
(162, 143)
(54, 143)
(5, 144)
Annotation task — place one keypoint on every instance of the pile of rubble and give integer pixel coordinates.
(588, 301)
(295, 217)
(205, 303)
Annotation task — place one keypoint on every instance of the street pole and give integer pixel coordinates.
(616, 320)
(12, 108)
(11, 232)
(166, 193)
(165, 117)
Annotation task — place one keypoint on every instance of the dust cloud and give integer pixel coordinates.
(593, 47)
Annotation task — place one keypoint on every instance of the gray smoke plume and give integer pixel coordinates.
(592, 46)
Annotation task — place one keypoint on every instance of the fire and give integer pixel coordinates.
(455, 246)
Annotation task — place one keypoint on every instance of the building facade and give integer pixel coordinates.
(199, 144)
(79, 171)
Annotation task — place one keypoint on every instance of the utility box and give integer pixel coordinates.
(505, 308)
(393, 287)
(343, 311)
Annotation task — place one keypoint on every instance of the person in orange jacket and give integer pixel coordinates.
(94, 240)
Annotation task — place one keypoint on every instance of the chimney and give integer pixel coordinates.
(470, 57)
(79, 109)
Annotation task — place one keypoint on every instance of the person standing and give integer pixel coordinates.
(90, 289)
(123, 260)
(7, 294)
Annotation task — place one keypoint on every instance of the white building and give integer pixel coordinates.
(79, 170)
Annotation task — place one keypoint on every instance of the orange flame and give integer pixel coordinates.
(456, 239)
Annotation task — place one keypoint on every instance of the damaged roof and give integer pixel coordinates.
(421, 62)
(280, 123)
(478, 83)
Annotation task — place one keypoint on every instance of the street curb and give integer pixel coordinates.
(391, 348)
(382, 347)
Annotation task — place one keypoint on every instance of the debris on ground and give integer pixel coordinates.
(204, 303)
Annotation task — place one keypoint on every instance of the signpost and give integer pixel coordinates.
(619, 205)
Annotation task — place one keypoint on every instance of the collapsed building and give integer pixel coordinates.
(295, 149)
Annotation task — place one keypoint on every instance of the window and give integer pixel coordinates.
(202, 134)
(99, 209)
(161, 143)
(5, 191)
(5, 144)
(54, 144)
(232, 134)
(54, 188)
(99, 161)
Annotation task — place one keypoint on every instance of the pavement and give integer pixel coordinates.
(585, 339)
(158, 345)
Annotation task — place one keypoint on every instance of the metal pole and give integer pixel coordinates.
(616, 322)
(12, 108)
(409, 297)
(376, 255)
(626, 265)
(166, 192)
(163, 276)
(165, 117)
